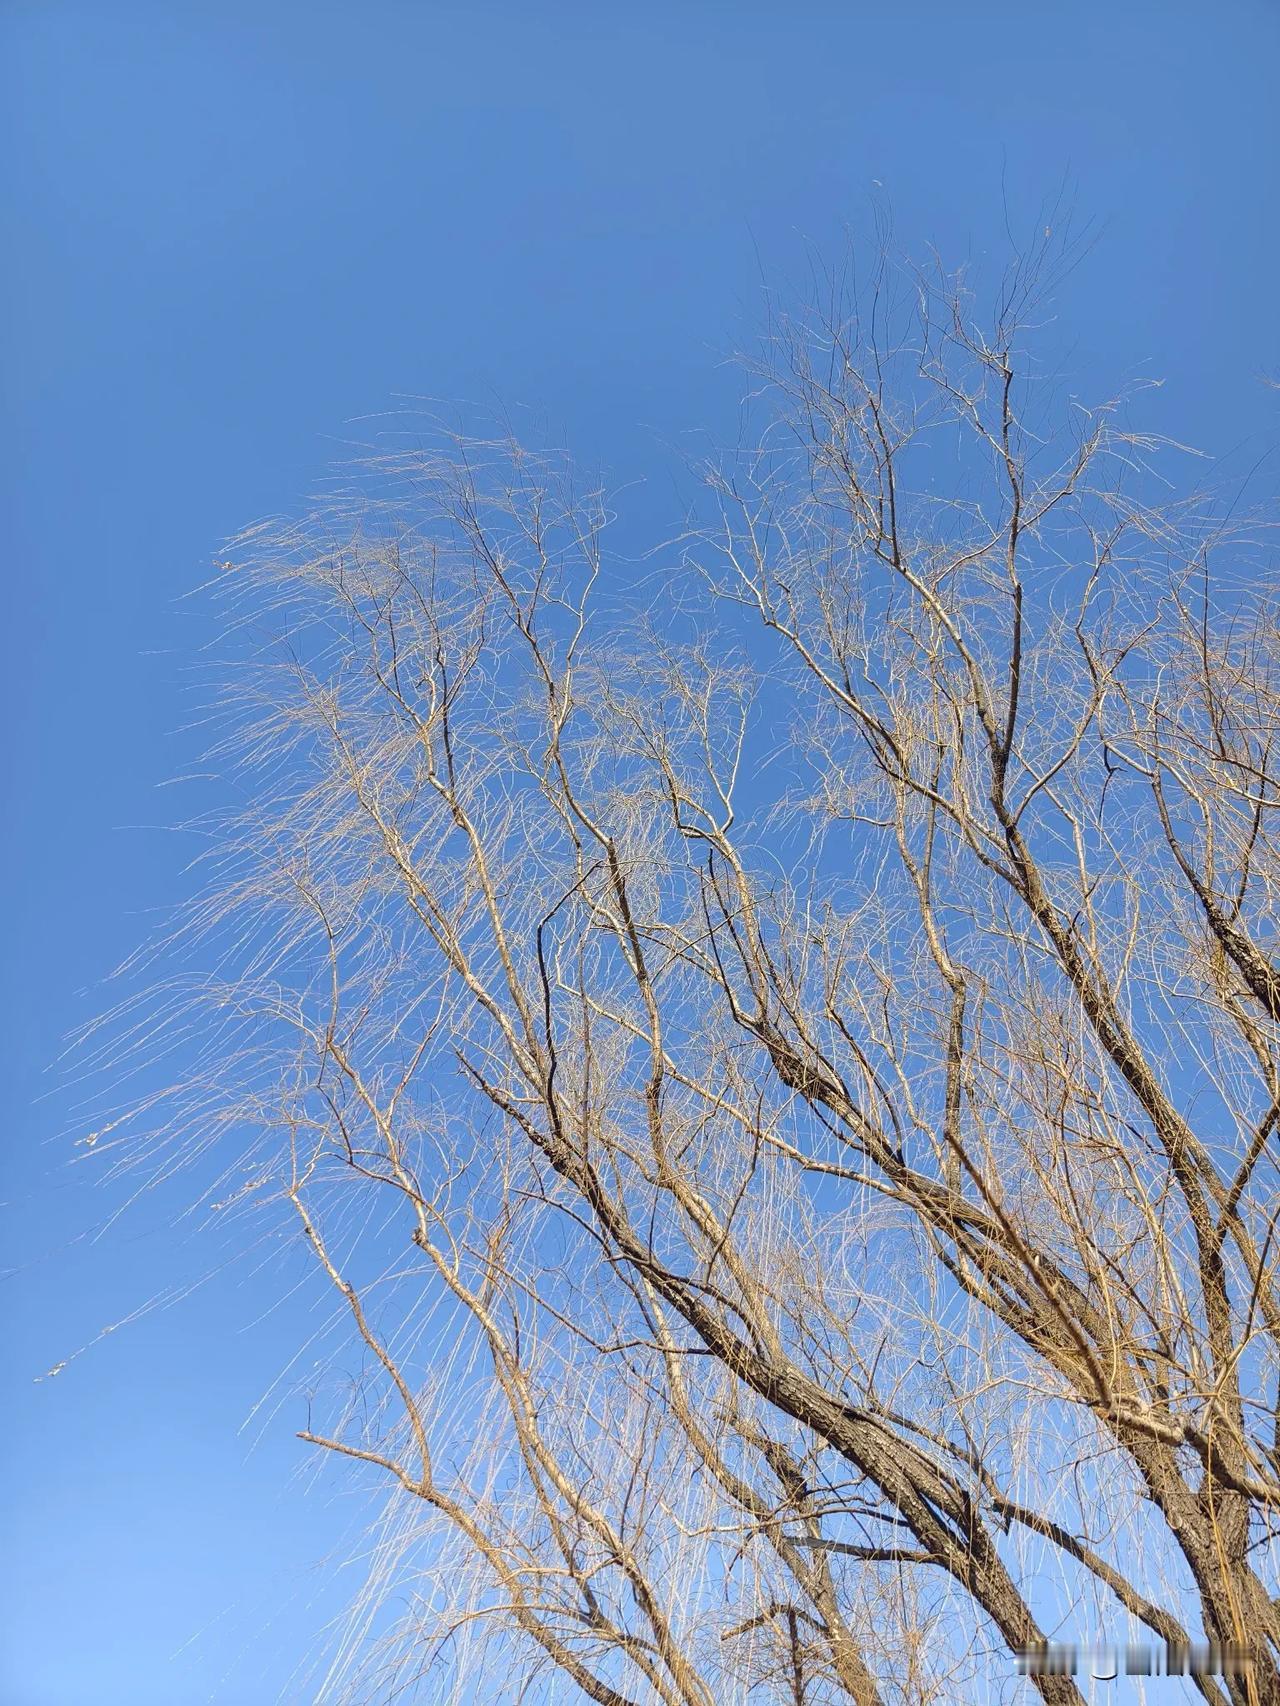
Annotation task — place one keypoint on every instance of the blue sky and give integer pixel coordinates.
(233, 233)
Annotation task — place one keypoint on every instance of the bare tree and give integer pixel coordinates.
(778, 1061)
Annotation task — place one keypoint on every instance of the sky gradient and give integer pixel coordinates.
(234, 234)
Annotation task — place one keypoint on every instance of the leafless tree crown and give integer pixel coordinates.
(778, 1065)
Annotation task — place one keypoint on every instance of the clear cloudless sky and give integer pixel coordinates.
(230, 230)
